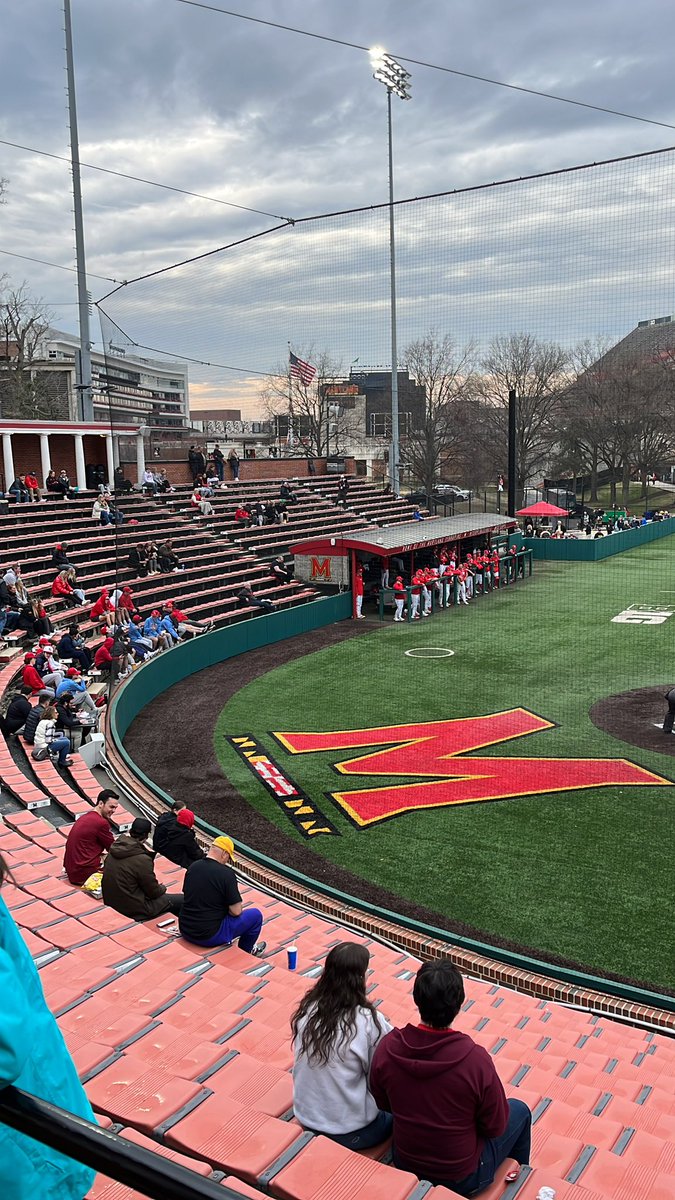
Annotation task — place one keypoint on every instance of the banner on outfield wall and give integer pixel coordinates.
(316, 569)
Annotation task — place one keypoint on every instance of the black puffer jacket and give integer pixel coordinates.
(179, 844)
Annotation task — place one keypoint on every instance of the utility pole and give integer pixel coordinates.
(83, 363)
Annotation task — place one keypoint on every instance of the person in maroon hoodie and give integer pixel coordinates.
(452, 1122)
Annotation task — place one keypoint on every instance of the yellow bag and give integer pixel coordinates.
(93, 884)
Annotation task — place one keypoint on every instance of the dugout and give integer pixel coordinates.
(333, 560)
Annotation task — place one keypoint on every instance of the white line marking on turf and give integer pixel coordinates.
(429, 652)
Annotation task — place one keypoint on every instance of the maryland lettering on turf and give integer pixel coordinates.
(303, 813)
(433, 750)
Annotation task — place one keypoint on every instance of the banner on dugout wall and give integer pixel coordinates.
(329, 569)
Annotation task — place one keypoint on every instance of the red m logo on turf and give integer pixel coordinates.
(433, 750)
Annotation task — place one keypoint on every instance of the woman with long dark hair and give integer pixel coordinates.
(40, 1065)
(335, 1031)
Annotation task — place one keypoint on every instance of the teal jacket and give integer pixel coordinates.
(33, 1056)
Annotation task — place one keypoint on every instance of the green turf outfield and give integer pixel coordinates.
(587, 873)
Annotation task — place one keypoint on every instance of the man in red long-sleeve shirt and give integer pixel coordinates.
(452, 1122)
(89, 838)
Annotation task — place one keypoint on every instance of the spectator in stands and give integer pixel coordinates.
(40, 1065)
(52, 483)
(138, 560)
(75, 684)
(149, 484)
(166, 822)
(103, 610)
(62, 485)
(103, 659)
(198, 500)
(122, 652)
(59, 559)
(168, 627)
(140, 644)
(259, 511)
(72, 646)
(129, 883)
(10, 609)
(242, 516)
(452, 1122)
(168, 559)
(179, 843)
(33, 486)
(197, 461)
(163, 484)
(89, 838)
(33, 618)
(47, 741)
(417, 516)
(233, 460)
(103, 512)
(212, 912)
(152, 629)
(18, 710)
(153, 558)
(219, 462)
(286, 492)
(69, 723)
(64, 587)
(126, 605)
(32, 679)
(335, 1031)
(247, 598)
(342, 491)
(280, 571)
(181, 621)
(121, 484)
(48, 663)
(18, 490)
(36, 714)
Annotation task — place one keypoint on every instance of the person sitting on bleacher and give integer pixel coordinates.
(9, 607)
(89, 838)
(259, 512)
(18, 711)
(149, 484)
(342, 491)
(166, 822)
(75, 684)
(47, 742)
(198, 500)
(129, 884)
(103, 659)
(212, 912)
(63, 485)
(63, 587)
(127, 605)
(72, 646)
(280, 571)
(69, 722)
(33, 486)
(31, 678)
(48, 663)
(59, 559)
(35, 715)
(103, 609)
(247, 597)
(335, 1031)
(286, 492)
(137, 560)
(152, 628)
(104, 513)
(18, 490)
(242, 516)
(140, 644)
(153, 559)
(120, 483)
(168, 559)
(168, 627)
(178, 840)
(453, 1124)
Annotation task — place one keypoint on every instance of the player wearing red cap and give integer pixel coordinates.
(358, 592)
(399, 598)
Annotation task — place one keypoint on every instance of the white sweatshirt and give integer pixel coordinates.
(334, 1098)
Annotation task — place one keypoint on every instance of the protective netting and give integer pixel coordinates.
(568, 256)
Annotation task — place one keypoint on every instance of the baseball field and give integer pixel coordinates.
(497, 765)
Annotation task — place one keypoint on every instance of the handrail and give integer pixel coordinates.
(146, 1171)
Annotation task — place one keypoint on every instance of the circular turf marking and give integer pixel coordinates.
(429, 652)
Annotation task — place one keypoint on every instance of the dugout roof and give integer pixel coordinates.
(412, 535)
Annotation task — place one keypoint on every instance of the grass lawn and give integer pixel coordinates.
(584, 873)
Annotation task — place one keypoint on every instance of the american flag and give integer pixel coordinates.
(301, 370)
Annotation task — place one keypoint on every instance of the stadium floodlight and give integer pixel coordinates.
(396, 79)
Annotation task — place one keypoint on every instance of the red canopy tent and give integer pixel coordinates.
(542, 509)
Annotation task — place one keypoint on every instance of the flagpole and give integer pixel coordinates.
(290, 438)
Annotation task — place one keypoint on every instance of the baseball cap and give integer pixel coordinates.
(72, 673)
(155, 612)
(45, 641)
(225, 843)
(185, 816)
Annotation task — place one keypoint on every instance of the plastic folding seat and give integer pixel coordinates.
(105, 920)
(554, 1152)
(325, 1169)
(49, 889)
(11, 841)
(641, 1116)
(31, 873)
(36, 914)
(233, 1137)
(271, 1046)
(66, 933)
(184, 1054)
(539, 1080)
(254, 1084)
(536, 1179)
(131, 1091)
(36, 945)
(648, 1149)
(98, 1019)
(105, 1188)
(241, 1188)
(88, 1056)
(147, 986)
(616, 1179)
(567, 1121)
(77, 904)
(138, 938)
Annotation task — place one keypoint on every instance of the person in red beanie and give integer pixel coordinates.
(31, 677)
(179, 843)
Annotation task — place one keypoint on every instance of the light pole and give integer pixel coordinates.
(397, 80)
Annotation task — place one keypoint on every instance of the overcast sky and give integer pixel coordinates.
(295, 126)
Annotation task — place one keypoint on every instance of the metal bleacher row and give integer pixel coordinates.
(188, 1051)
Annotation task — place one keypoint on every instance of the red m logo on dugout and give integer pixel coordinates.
(433, 750)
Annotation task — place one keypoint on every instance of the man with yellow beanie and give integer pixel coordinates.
(212, 912)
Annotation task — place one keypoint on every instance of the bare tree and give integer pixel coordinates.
(447, 373)
(316, 425)
(24, 322)
(536, 371)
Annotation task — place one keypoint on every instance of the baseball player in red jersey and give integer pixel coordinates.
(399, 598)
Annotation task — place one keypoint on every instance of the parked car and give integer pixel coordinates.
(451, 491)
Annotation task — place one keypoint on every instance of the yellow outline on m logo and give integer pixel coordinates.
(320, 570)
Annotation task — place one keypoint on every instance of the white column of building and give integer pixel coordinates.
(45, 459)
(79, 462)
(8, 459)
(140, 458)
(110, 458)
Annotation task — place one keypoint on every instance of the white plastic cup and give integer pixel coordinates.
(546, 1193)
(292, 952)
